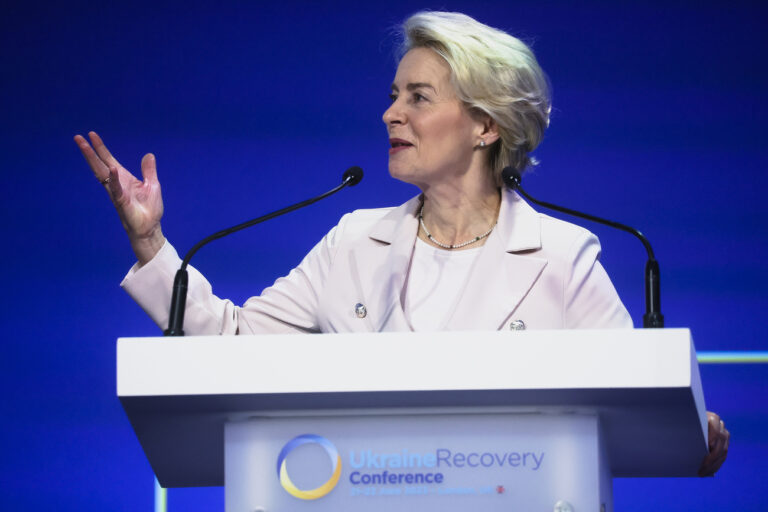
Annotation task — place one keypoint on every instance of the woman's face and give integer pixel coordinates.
(431, 133)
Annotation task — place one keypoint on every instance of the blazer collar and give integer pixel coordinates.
(405, 216)
(519, 224)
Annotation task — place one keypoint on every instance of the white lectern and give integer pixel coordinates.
(531, 420)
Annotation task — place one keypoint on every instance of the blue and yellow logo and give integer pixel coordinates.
(282, 471)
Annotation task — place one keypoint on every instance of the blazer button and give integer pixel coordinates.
(360, 310)
(517, 325)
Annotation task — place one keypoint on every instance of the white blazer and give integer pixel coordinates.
(532, 268)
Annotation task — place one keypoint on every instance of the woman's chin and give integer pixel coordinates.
(420, 178)
(399, 173)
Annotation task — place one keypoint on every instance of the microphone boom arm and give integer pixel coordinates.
(351, 177)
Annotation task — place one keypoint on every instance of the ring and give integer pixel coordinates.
(106, 180)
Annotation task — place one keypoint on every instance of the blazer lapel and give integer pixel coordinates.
(382, 268)
(501, 276)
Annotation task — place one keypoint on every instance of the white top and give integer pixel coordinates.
(435, 282)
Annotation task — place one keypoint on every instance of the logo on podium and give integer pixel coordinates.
(318, 492)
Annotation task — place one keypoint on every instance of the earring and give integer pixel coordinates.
(482, 143)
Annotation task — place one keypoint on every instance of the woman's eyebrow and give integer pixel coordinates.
(414, 85)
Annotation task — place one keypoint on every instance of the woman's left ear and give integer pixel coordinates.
(488, 129)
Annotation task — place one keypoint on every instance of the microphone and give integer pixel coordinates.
(653, 316)
(351, 177)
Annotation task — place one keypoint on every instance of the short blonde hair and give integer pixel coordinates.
(492, 72)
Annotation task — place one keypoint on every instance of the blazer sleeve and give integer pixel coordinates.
(290, 305)
(591, 301)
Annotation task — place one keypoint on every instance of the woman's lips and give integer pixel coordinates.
(397, 149)
(397, 145)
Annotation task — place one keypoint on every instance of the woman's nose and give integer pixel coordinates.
(393, 115)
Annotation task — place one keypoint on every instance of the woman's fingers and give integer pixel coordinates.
(718, 441)
(108, 175)
(711, 464)
(99, 168)
(102, 151)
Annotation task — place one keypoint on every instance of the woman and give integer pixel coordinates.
(467, 100)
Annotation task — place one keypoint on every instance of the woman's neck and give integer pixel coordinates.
(454, 214)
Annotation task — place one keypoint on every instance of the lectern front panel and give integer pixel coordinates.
(416, 462)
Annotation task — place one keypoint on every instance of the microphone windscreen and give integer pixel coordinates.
(511, 178)
(352, 176)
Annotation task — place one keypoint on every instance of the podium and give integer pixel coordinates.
(520, 420)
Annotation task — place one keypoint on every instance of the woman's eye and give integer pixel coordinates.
(418, 97)
(393, 97)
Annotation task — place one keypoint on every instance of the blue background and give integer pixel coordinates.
(659, 121)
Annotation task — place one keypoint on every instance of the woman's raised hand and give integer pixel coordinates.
(139, 203)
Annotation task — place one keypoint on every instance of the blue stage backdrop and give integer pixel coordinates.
(659, 121)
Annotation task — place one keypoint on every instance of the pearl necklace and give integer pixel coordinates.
(451, 246)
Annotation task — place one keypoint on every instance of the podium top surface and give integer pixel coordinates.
(178, 392)
(222, 365)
